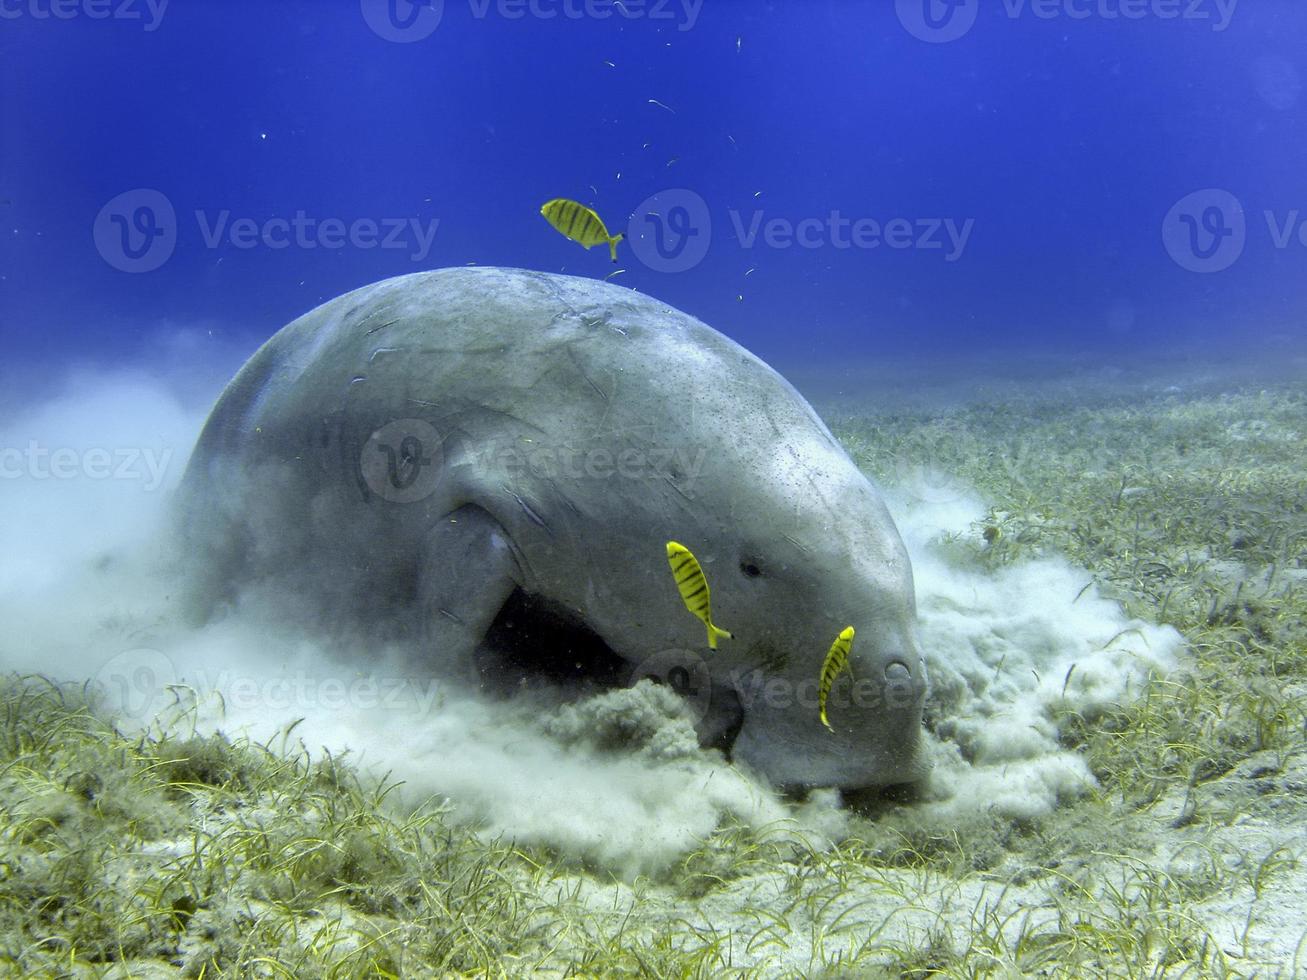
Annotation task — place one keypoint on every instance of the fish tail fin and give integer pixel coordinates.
(612, 244)
(823, 718)
(716, 633)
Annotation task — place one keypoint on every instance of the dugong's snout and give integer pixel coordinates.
(875, 735)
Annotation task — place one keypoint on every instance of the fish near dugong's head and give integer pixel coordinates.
(800, 548)
(821, 558)
(847, 570)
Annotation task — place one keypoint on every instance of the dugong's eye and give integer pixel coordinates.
(750, 568)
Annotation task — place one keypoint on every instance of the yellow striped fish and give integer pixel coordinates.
(836, 660)
(579, 223)
(694, 589)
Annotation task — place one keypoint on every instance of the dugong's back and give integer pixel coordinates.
(483, 357)
(477, 336)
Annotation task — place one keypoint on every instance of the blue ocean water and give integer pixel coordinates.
(936, 196)
(817, 179)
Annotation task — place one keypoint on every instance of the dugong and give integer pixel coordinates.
(422, 454)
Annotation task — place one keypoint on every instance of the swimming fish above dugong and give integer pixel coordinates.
(421, 454)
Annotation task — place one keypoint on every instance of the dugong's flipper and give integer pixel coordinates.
(467, 573)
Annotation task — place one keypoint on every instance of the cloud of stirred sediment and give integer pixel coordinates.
(616, 780)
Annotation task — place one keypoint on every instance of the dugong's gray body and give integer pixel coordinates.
(422, 450)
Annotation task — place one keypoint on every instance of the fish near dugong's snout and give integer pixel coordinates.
(434, 453)
(874, 712)
(852, 572)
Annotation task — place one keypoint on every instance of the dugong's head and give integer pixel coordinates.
(809, 564)
(795, 544)
(809, 549)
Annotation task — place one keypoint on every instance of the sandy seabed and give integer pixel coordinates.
(1112, 596)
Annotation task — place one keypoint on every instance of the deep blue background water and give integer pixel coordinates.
(1064, 140)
